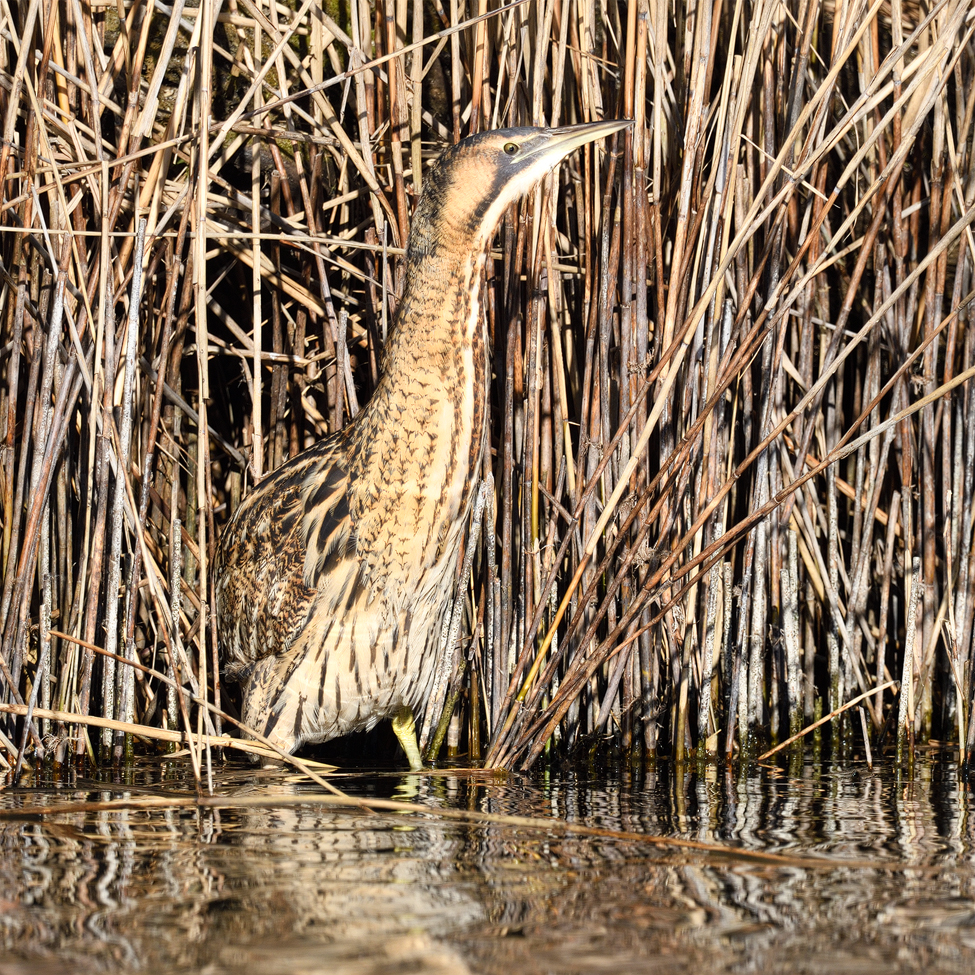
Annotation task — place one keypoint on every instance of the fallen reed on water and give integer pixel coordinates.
(732, 444)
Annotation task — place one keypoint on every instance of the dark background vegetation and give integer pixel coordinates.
(732, 446)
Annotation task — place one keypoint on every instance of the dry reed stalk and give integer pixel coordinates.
(733, 395)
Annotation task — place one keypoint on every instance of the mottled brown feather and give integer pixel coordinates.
(335, 574)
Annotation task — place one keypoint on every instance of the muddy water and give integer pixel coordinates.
(832, 871)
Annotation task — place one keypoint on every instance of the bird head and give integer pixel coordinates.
(472, 183)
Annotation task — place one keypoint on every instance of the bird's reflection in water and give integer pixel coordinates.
(284, 889)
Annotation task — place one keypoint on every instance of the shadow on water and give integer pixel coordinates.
(303, 888)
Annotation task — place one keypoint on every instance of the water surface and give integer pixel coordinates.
(832, 871)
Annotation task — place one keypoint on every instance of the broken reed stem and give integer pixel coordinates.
(825, 719)
(741, 331)
(140, 730)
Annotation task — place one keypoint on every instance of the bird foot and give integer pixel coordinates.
(405, 730)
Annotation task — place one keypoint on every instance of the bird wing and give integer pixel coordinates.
(289, 544)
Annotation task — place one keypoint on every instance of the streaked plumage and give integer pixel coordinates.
(334, 574)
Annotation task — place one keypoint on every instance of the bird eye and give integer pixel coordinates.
(510, 148)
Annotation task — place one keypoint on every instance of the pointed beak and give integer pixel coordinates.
(555, 144)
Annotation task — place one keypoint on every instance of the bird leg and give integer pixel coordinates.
(405, 731)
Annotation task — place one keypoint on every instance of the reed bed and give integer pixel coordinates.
(732, 436)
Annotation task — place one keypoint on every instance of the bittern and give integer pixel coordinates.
(334, 574)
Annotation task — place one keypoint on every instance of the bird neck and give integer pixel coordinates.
(439, 331)
(416, 447)
(425, 421)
